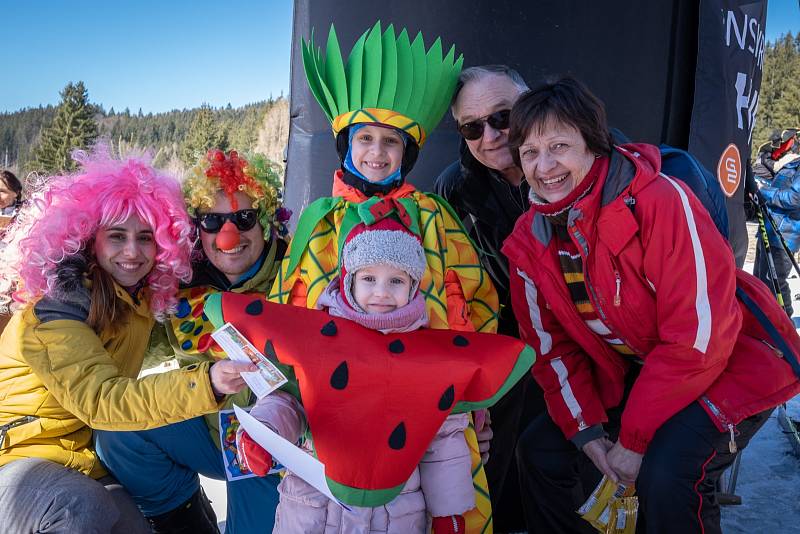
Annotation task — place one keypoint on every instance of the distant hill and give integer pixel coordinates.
(261, 126)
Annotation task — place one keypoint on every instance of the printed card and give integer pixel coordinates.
(228, 425)
(267, 379)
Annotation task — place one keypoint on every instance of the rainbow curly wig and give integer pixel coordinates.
(63, 217)
(255, 176)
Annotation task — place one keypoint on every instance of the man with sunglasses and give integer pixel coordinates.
(490, 193)
(235, 203)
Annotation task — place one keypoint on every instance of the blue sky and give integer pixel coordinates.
(157, 55)
(168, 54)
(783, 16)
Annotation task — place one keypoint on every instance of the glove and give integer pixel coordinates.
(483, 432)
(450, 524)
(252, 456)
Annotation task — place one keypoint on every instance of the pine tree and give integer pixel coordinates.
(73, 127)
(204, 133)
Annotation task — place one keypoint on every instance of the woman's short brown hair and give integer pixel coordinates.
(566, 101)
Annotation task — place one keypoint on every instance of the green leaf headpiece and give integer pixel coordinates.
(387, 79)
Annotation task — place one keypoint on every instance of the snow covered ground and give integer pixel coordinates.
(215, 489)
(769, 484)
(769, 477)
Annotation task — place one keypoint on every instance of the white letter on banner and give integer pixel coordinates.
(753, 26)
(740, 37)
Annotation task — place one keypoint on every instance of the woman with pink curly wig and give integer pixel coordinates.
(96, 257)
(105, 194)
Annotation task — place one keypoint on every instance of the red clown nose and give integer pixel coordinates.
(228, 236)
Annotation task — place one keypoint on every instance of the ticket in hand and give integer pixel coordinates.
(267, 379)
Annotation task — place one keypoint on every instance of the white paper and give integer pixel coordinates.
(267, 379)
(289, 455)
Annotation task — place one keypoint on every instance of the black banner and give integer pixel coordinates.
(727, 82)
(638, 57)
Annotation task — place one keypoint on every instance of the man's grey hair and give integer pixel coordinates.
(479, 72)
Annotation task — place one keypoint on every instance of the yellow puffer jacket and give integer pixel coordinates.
(58, 380)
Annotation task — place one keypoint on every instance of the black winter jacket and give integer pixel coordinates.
(489, 206)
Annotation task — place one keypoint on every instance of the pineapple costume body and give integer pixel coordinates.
(390, 81)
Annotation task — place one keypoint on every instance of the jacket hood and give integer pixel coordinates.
(631, 162)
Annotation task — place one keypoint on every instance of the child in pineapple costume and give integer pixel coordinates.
(382, 266)
(382, 103)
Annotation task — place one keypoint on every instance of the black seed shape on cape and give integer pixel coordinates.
(396, 347)
(329, 329)
(449, 395)
(460, 341)
(254, 308)
(397, 440)
(340, 376)
(269, 351)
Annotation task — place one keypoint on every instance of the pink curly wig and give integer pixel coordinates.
(104, 192)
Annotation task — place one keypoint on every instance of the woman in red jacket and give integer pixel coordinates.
(650, 365)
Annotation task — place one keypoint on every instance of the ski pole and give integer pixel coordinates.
(774, 226)
(773, 274)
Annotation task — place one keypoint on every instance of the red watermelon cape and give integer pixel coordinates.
(374, 401)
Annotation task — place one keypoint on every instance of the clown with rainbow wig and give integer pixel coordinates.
(235, 203)
(97, 256)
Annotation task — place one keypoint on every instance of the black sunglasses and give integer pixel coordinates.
(473, 130)
(243, 219)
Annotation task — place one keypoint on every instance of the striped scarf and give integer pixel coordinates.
(572, 268)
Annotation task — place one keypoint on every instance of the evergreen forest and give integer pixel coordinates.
(40, 139)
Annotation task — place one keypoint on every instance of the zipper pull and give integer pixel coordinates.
(732, 443)
(617, 298)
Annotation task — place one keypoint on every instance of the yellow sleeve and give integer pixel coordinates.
(318, 266)
(80, 374)
(464, 268)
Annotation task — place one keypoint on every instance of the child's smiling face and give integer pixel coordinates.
(381, 288)
(377, 152)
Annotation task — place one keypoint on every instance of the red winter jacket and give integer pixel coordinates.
(663, 280)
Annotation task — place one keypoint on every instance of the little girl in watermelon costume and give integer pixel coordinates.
(378, 288)
(383, 102)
